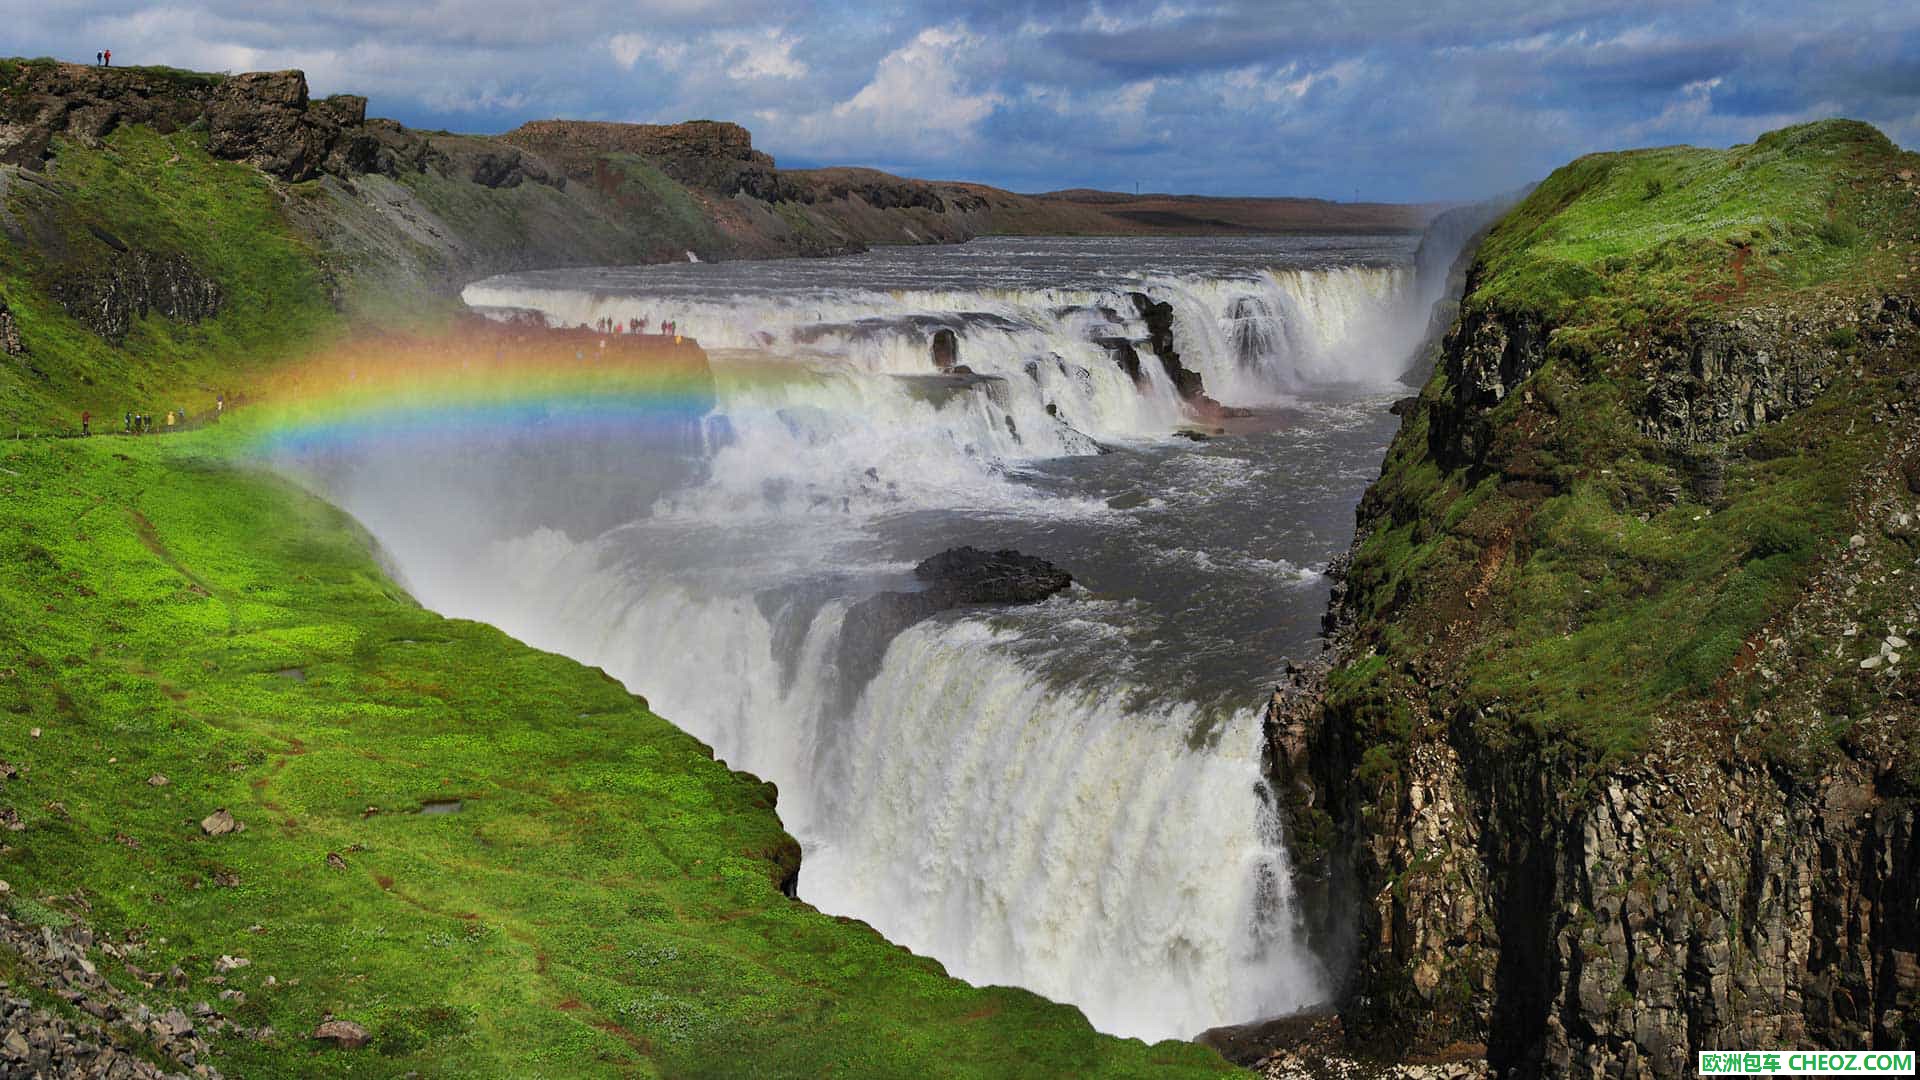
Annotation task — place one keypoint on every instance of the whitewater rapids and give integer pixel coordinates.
(1067, 797)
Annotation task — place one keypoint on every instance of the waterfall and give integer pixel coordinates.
(1020, 830)
(1254, 338)
(1072, 828)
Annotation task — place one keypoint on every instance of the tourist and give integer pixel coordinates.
(99, 59)
(106, 58)
(126, 424)
(86, 423)
(169, 419)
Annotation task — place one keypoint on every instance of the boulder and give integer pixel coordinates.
(968, 575)
(957, 577)
(343, 1034)
(946, 349)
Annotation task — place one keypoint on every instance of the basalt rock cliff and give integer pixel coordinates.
(1615, 757)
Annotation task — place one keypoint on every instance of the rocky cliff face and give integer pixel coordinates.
(397, 212)
(1723, 854)
(107, 296)
(706, 154)
(264, 118)
(10, 342)
(1615, 927)
(1158, 315)
(400, 217)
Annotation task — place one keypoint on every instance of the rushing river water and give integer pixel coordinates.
(1066, 796)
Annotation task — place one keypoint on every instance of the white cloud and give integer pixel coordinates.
(917, 95)
(629, 49)
(765, 54)
(1692, 105)
(1288, 85)
(1131, 99)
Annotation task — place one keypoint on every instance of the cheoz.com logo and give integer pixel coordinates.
(1806, 1063)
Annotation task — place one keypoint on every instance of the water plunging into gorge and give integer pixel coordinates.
(1066, 796)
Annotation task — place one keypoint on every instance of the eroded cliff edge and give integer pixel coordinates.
(1615, 757)
(394, 211)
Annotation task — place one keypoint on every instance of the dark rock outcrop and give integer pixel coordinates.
(1485, 356)
(706, 154)
(1587, 921)
(946, 350)
(40, 101)
(1122, 353)
(967, 575)
(1158, 315)
(1617, 929)
(884, 192)
(1721, 380)
(264, 118)
(127, 284)
(10, 343)
(957, 577)
(1706, 382)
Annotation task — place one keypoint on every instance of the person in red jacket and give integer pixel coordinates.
(107, 58)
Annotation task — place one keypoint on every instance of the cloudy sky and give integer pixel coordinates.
(1437, 100)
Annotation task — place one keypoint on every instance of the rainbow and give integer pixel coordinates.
(466, 386)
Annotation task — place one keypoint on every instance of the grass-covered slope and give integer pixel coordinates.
(1546, 532)
(1618, 750)
(140, 192)
(605, 903)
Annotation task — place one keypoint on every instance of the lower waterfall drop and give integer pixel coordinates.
(1067, 796)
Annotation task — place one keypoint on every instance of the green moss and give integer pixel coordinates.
(1584, 584)
(664, 209)
(1672, 231)
(605, 903)
(167, 195)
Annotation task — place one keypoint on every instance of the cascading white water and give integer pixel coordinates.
(1126, 860)
(1255, 341)
(1071, 827)
(1252, 338)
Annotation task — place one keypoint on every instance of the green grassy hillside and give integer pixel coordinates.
(1684, 231)
(1587, 569)
(163, 195)
(604, 903)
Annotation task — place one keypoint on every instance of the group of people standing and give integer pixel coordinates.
(134, 423)
(607, 324)
(143, 423)
(103, 58)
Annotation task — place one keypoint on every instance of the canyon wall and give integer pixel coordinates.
(1614, 757)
